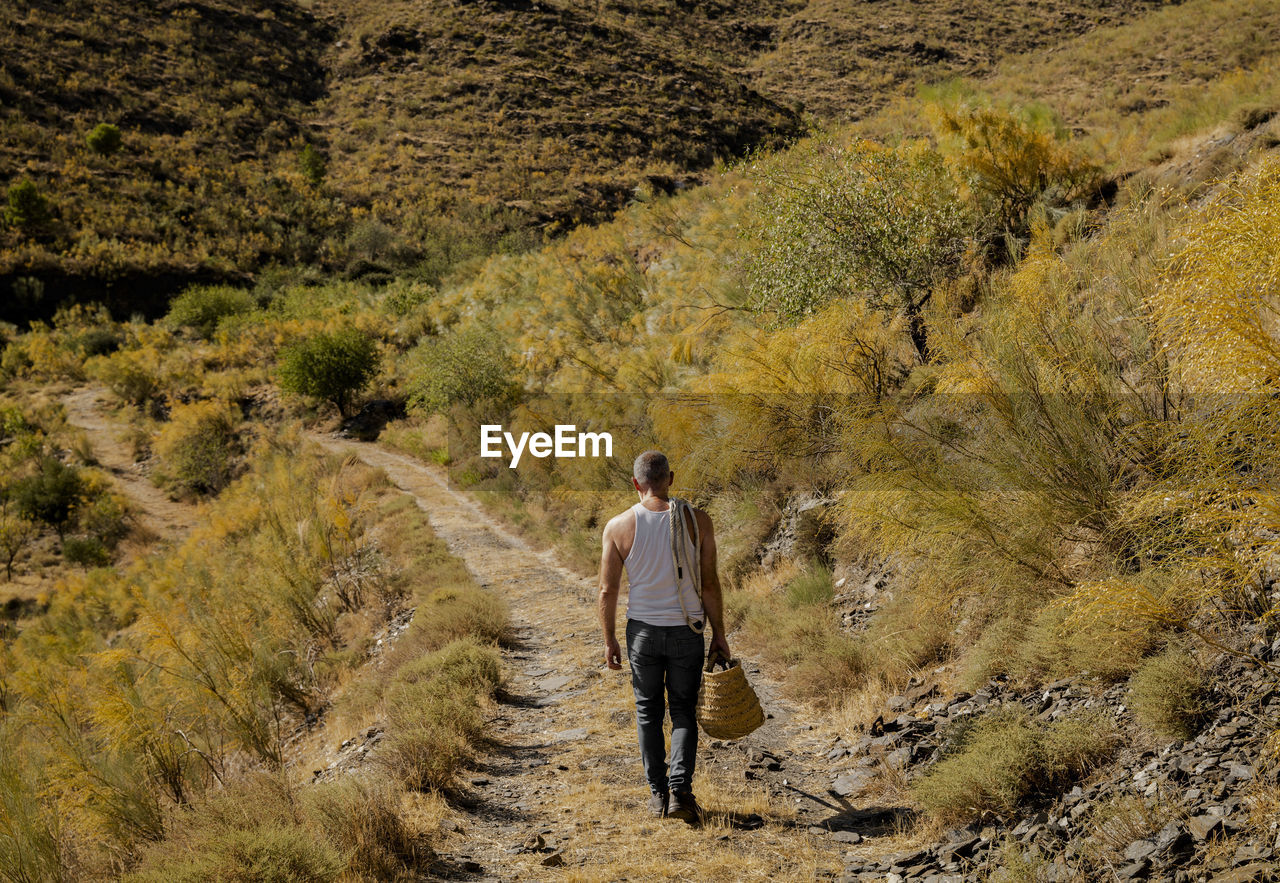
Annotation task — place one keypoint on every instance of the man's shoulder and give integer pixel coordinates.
(621, 521)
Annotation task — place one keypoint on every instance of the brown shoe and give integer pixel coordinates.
(682, 805)
(658, 803)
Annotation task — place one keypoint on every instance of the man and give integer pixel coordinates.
(665, 651)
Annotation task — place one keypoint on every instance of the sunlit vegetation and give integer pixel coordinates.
(52, 502)
(135, 703)
(1021, 349)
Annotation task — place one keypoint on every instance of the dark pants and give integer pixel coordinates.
(666, 671)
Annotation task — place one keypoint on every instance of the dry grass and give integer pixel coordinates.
(1168, 693)
(1004, 758)
(1119, 821)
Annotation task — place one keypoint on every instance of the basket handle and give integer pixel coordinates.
(715, 657)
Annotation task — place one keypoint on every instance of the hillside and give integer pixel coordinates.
(978, 386)
(440, 133)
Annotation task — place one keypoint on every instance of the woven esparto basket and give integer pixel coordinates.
(727, 706)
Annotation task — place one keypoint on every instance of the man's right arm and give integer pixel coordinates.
(610, 585)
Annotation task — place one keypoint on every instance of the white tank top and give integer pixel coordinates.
(651, 574)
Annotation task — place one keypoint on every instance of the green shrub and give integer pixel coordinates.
(814, 586)
(132, 374)
(198, 447)
(825, 663)
(50, 495)
(331, 366)
(1004, 758)
(102, 517)
(202, 307)
(1168, 694)
(32, 845)
(86, 551)
(100, 340)
(28, 208)
(402, 298)
(105, 139)
(464, 368)
(1037, 645)
(1013, 160)
(312, 164)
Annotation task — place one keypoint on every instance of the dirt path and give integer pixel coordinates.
(154, 511)
(562, 795)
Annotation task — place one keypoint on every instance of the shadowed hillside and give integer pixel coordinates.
(381, 138)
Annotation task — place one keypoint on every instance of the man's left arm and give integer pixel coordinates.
(712, 599)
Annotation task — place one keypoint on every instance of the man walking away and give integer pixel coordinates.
(665, 622)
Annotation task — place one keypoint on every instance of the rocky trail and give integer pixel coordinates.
(563, 787)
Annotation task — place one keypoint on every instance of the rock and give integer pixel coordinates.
(553, 684)
(962, 848)
(846, 837)
(471, 867)
(1204, 827)
(1250, 853)
(851, 784)
(818, 831)
(1173, 843)
(1247, 874)
(1239, 772)
(554, 860)
(908, 858)
(575, 735)
(1135, 871)
(479, 781)
(899, 758)
(1139, 850)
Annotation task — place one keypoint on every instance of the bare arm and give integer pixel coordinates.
(712, 599)
(610, 583)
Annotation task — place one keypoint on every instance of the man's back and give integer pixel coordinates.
(657, 594)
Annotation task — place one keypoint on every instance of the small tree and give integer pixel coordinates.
(886, 224)
(313, 166)
(331, 365)
(16, 533)
(50, 495)
(105, 139)
(28, 208)
(467, 367)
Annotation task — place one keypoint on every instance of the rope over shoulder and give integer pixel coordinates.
(680, 511)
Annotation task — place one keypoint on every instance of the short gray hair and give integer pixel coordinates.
(651, 468)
